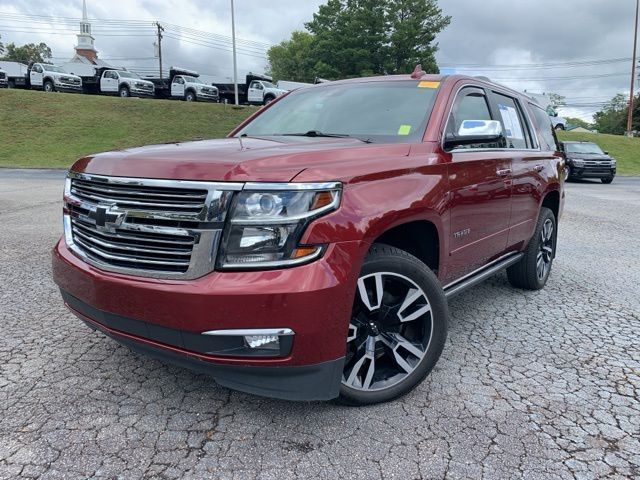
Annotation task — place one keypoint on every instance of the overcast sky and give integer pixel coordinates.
(488, 33)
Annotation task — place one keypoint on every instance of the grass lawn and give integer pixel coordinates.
(53, 130)
(625, 150)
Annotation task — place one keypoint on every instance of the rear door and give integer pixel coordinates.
(480, 190)
(532, 163)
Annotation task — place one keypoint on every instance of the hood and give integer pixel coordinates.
(276, 159)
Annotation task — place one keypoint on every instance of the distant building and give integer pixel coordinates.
(86, 52)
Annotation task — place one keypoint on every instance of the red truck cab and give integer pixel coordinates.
(311, 254)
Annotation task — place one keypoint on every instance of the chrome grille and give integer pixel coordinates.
(145, 227)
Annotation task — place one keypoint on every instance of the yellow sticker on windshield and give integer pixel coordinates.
(404, 130)
(427, 84)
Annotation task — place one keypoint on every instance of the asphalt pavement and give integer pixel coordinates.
(530, 385)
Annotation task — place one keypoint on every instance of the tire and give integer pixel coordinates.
(268, 99)
(190, 97)
(607, 180)
(399, 321)
(124, 92)
(48, 86)
(533, 270)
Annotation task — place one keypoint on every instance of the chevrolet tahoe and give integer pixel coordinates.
(311, 254)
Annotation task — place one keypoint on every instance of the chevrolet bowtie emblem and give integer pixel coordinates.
(107, 217)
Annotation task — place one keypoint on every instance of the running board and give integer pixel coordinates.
(481, 275)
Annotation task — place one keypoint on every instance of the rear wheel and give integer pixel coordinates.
(48, 86)
(532, 271)
(397, 330)
(607, 180)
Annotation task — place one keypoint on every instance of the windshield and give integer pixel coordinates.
(128, 75)
(268, 84)
(583, 148)
(53, 68)
(384, 112)
(190, 79)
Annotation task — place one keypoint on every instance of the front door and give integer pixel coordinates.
(177, 87)
(109, 82)
(480, 191)
(255, 94)
(36, 76)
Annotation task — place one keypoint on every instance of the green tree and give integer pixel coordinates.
(414, 26)
(30, 52)
(352, 38)
(291, 59)
(612, 118)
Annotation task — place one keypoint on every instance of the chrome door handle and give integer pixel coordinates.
(504, 172)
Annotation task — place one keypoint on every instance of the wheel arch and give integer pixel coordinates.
(421, 238)
(551, 200)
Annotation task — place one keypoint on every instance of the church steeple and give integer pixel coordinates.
(85, 47)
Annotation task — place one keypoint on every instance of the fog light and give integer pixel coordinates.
(265, 342)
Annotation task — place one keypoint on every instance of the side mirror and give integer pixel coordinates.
(606, 153)
(472, 132)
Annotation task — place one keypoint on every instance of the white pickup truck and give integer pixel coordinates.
(112, 81)
(257, 90)
(44, 76)
(185, 85)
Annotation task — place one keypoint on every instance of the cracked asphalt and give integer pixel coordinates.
(531, 384)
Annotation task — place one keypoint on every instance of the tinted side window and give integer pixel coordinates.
(513, 125)
(546, 132)
(470, 104)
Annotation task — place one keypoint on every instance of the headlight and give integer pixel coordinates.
(267, 222)
(578, 162)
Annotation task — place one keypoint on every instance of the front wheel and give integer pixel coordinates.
(606, 180)
(397, 329)
(124, 92)
(48, 86)
(532, 271)
(190, 97)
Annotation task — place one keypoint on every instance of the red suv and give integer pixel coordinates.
(311, 254)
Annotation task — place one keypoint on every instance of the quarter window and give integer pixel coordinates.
(545, 129)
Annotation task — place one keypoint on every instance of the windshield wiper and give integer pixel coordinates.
(318, 133)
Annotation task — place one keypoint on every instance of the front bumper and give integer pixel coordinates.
(68, 87)
(166, 318)
(140, 92)
(207, 97)
(592, 172)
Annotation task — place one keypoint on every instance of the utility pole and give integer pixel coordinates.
(633, 70)
(160, 30)
(235, 62)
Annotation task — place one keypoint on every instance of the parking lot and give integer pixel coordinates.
(531, 384)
